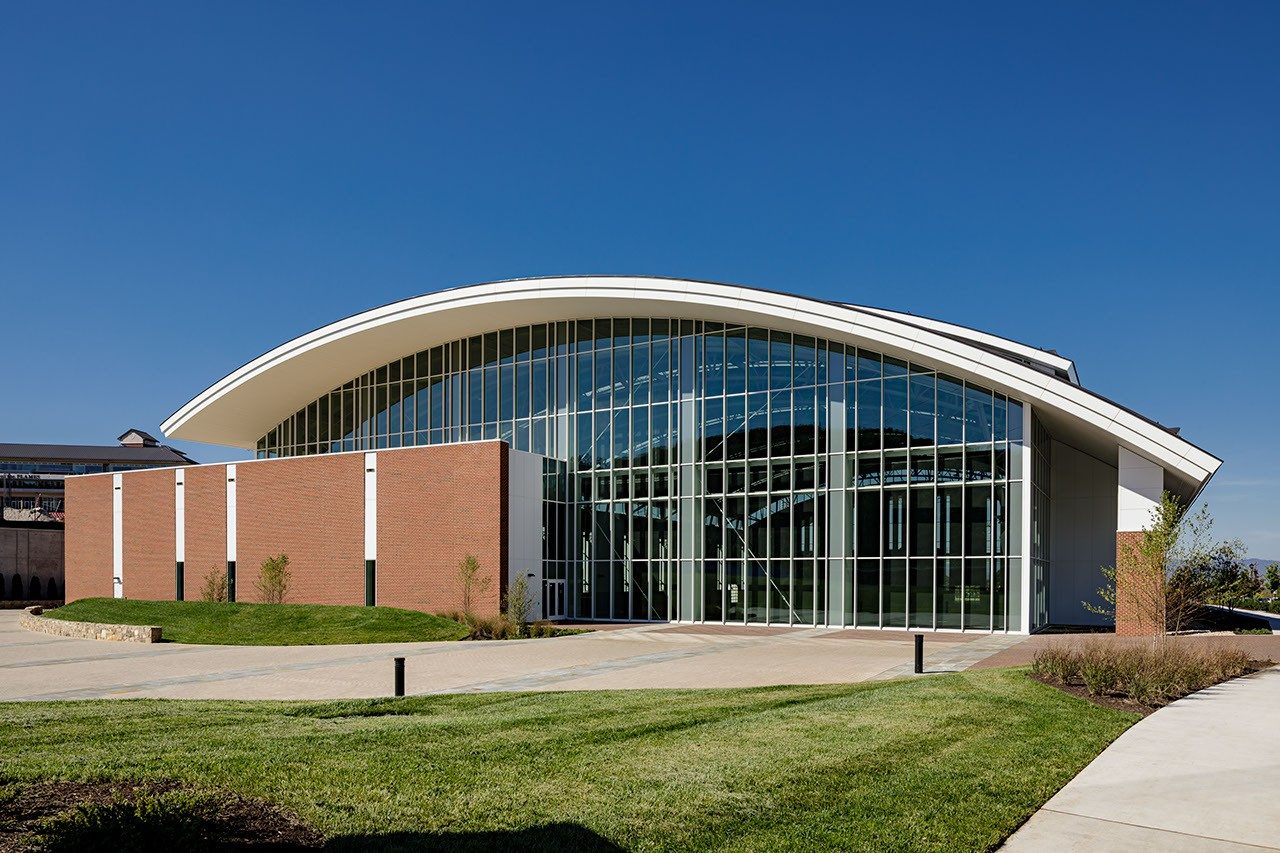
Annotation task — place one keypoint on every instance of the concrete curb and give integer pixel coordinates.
(32, 620)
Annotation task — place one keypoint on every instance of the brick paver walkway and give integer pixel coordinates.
(37, 666)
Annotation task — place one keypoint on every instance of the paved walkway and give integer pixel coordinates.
(1201, 774)
(957, 657)
(39, 666)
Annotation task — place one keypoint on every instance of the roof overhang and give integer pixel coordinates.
(242, 406)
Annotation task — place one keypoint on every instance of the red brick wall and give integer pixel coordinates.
(205, 529)
(436, 505)
(1139, 594)
(88, 537)
(148, 540)
(310, 508)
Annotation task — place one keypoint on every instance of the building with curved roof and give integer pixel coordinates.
(693, 451)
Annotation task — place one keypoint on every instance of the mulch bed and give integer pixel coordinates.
(243, 823)
(1121, 703)
(1115, 703)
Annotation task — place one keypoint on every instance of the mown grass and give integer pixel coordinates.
(223, 623)
(952, 762)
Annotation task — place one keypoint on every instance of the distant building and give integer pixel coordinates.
(32, 475)
(31, 494)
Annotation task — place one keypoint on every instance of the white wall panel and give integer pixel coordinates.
(524, 523)
(1141, 482)
(371, 506)
(231, 513)
(117, 535)
(179, 516)
(1082, 517)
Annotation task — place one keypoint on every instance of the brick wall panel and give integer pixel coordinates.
(88, 537)
(1138, 589)
(312, 509)
(205, 525)
(148, 504)
(436, 505)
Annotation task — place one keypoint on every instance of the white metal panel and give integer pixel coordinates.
(231, 513)
(179, 516)
(371, 506)
(524, 523)
(1082, 523)
(1008, 345)
(1027, 498)
(1141, 483)
(117, 535)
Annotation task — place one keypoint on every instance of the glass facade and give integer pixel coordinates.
(1041, 459)
(702, 472)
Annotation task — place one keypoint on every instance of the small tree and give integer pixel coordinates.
(518, 604)
(1231, 583)
(473, 585)
(214, 587)
(273, 579)
(1172, 570)
(1273, 578)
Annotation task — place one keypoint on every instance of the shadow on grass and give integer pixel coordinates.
(557, 837)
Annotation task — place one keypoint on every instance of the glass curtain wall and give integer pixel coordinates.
(1041, 459)
(704, 472)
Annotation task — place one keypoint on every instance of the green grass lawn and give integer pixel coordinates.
(265, 624)
(951, 762)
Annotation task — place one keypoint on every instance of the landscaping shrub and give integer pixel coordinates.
(503, 628)
(1146, 675)
(1099, 670)
(518, 604)
(273, 579)
(473, 585)
(1261, 604)
(493, 628)
(171, 820)
(1055, 662)
(214, 587)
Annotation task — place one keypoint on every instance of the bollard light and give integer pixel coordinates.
(399, 676)
(919, 653)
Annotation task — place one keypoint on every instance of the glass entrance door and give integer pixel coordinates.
(553, 599)
(1039, 595)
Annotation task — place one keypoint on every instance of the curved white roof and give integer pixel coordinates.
(1046, 359)
(242, 406)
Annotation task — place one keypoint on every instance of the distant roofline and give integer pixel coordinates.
(17, 452)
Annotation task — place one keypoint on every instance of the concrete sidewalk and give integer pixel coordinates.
(37, 666)
(1200, 774)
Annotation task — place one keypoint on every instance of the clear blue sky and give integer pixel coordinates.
(184, 186)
